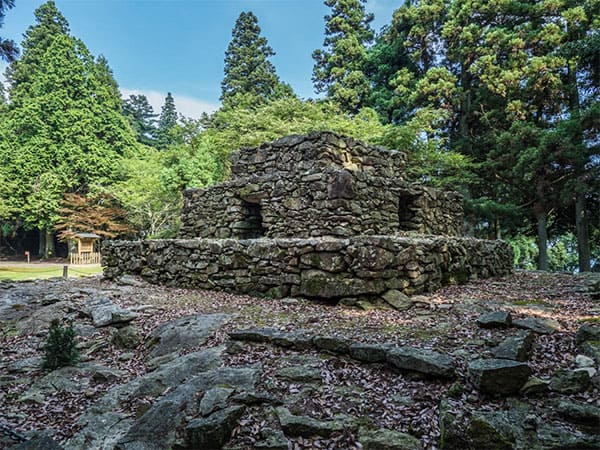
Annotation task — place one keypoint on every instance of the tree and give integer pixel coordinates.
(166, 122)
(37, 40)
(97, 213)
(142, 118)
(8, 49)
(64, 130)
(248, 70)
(340, 68)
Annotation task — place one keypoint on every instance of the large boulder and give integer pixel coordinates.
(498, 376)
(420, 360)
(569, 382)
(369, 353)
(494, 319)
(516, 347)
(588, 332)
(185, 333)
(305, 426)
(540, 326)
(214, 431)
(384, 439)
(397, 299)
(104, 312)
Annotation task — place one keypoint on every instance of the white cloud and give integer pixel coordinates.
(188, 106)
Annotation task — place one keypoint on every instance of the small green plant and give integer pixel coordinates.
(61, 346)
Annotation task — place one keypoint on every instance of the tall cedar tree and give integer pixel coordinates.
(8, 49)
(166, 123)
(142, 118)
(248, 70)
(63, 131)
(340, 68)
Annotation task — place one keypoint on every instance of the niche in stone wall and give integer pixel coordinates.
(407, 211)
(251, 226)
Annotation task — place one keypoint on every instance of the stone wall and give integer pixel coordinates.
(362, 266)
(332, 202)
(299, 154)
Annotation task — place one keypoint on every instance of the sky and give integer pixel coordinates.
(178, 46)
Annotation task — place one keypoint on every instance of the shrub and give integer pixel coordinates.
(61, 346)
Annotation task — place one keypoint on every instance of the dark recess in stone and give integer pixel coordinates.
(253, 218)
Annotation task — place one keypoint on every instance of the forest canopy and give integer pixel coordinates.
(497, 100)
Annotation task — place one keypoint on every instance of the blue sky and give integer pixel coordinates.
(158, 46)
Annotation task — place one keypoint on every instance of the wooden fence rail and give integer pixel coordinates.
(85, 258)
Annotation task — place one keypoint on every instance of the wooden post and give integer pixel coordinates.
(28, 257)
(65, 272)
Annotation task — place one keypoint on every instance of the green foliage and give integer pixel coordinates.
(60, 349)
(233, 128)
(340, 68)
(63, 130)
(166, 123)
(8, 49)
(562, 252)
(141, 118)
(248, 70)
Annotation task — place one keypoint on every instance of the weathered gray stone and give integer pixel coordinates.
(540, 326)
(591, 349)
(254, 334)
(498, 376)
(327, 211)
(588, 332)
(384, 439)
(272, 440)
(104, 312)
(214, 431)
(303, 373)
(534, 386)
(421, 360)
(40, 442)
(305, 426)
(397, 299)
(515, 347)
(569, 382)
(494, 319)
(70, 379)
(369, 353)
(584, 361)
(184, 333)
(577, 412)
(126, 337)
(213, 399)
(332, 344)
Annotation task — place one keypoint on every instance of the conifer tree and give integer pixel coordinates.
(8, 49)
(63, 130)
(166, 122)
(142, 118)
(248, 70)
(340, 67)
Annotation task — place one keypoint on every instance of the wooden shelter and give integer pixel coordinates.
(84, 252)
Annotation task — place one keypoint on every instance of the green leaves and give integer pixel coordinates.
(63, 130)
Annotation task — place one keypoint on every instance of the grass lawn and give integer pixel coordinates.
(39, 271)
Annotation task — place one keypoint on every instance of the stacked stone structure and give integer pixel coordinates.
(321, 216)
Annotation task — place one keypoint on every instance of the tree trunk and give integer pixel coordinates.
(542, 231)
(49, 248)
(42, 243)
(583, 238)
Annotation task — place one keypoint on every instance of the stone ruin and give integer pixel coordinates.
(319, 216)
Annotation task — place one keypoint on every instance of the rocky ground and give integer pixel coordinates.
(495, 364)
